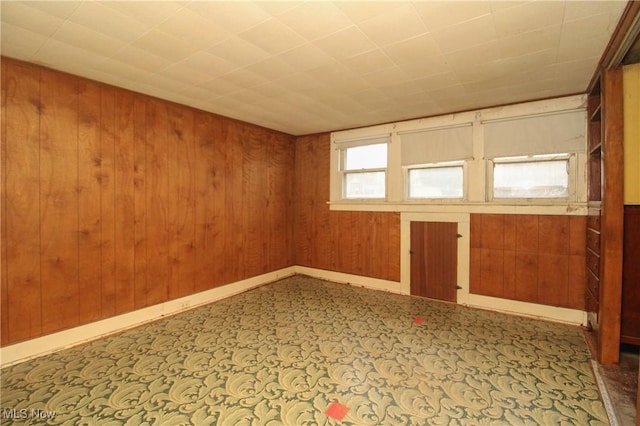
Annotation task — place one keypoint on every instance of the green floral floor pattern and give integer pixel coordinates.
(282, 353)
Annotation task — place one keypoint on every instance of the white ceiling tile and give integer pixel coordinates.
(384, 29)
(416, 49)
(527, 17)
(531, 61)
(461, 59)
(23, 15)
(273, 37)
(164, 45)
(359, 11)
(220, 87)
(61, 9)
(188, 25)
(244, 78)
(238, 51)
(441, 14)
(339, 77)
(315, 19)
(54, 52)
(306, 57)
(368, 62)
(20, 43)
(532, 41)
(140, 58)
(208, 63)
(468, 34)
(186, 73)
(108, 21)
(85, 38)
(234, 16)
(124, 70)
(346, 43)
(272, 68)
(150, 12)
(428, 67)
(582, 9)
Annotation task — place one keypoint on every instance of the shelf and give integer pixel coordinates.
(595, 115)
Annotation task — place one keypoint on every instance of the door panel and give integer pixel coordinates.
(434, 260)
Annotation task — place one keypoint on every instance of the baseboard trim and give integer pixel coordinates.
(23, 351)
(19, 352)
(356, 280)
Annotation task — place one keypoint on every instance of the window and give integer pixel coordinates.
(537, 176)
(436, 182)
(364, 170)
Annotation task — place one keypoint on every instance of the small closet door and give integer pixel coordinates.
(434, 260)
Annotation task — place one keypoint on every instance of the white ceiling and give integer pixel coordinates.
(316, 66)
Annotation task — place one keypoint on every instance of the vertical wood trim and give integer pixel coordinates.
(22, 201)
(124, 210)
(107, 200)
(89, 214)
(207, 187)
(612, 220)
(183, 126)
(4, 311)
(140, 202)
(59, 200)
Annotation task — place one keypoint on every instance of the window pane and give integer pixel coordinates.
(540, 179)
(364, 185)
(366, 157)
(436, 182)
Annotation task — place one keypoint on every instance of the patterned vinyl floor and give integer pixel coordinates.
(283, 353)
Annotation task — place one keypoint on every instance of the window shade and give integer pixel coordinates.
(350, 143)
(437, 145)
(548, 134)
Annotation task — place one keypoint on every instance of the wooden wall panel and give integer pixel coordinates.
(234, 256)
(89, 208)
(22, 201)
(532, 258)
(4, 311)
(161, 195)
(124, 207)
(140, 202)
(114, 201)
(209, 186)
(361, 243)
(182, 124)
(107, 199)
(59, 200)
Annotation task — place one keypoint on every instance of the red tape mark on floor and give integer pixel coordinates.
(336, 410)
(418, 320)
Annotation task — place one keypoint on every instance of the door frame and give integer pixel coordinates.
(464, 228)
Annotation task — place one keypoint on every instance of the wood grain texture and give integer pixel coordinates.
(612, 219)
(4, 306)
(22, 201)
(434, 260)
(59, 200)
(114, 201)
(89, 198)
(124, 204)
(361, 243)
(531, 258)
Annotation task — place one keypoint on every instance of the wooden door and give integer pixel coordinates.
(434, 260)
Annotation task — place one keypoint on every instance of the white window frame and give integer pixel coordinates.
(439, 200)
(342, 148)
(572, 177)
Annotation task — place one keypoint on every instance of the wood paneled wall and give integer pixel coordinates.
(361, 243)
(531, 258)
(113, 201)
